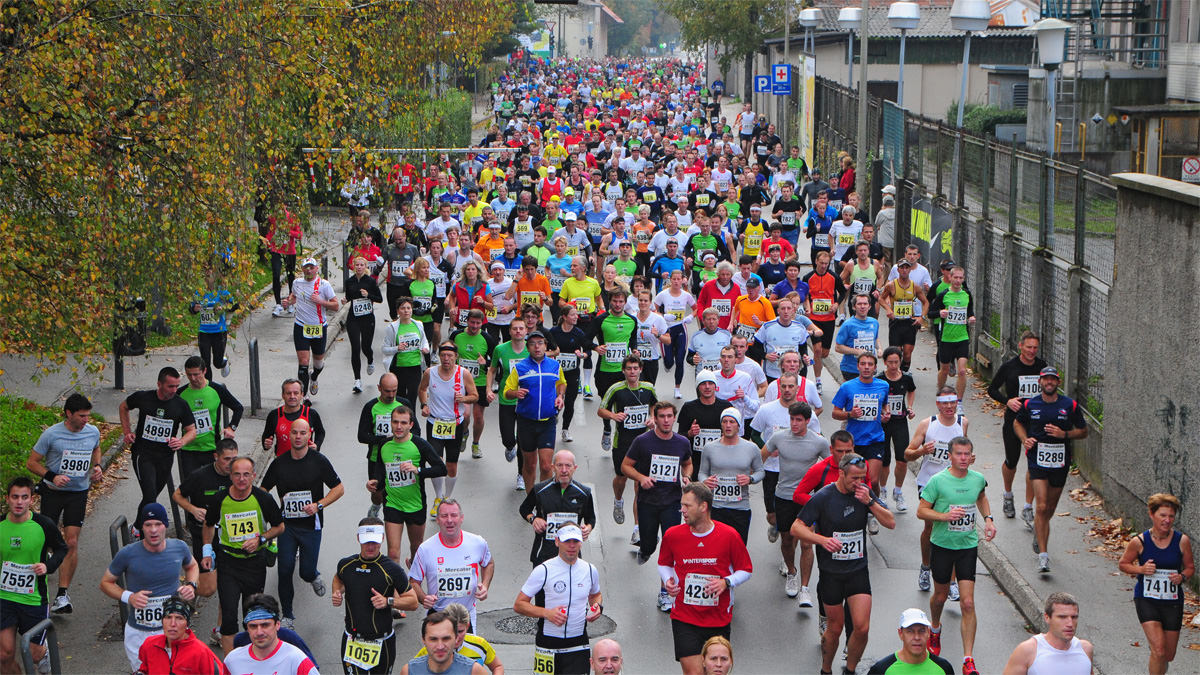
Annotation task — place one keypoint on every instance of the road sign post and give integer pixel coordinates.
(762, 83)
(781, 79)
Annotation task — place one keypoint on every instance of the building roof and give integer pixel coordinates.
(1160, 110)
(935, 22)
(607, 10)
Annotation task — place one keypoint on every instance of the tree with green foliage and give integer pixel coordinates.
(738, 28)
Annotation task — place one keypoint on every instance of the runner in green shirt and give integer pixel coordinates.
(399, 471)
(504, 356)
(205, 399)
(31, 547)
(475, 354)
(955, 306)
(615, 335)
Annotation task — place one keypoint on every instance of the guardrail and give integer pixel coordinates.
(51, 643)
(118, 538)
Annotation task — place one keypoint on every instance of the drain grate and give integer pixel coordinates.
(504, 626)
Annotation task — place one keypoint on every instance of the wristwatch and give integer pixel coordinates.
(391, 600)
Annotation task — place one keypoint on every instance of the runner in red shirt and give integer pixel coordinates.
(700, 562)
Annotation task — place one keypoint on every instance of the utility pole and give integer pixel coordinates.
(860, 183)
(784, 124)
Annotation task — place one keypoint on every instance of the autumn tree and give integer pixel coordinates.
(139, 136)
(739, 28)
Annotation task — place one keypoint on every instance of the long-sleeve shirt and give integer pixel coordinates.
(726, 462)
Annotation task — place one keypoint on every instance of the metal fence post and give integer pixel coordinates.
(118, 365)
(938, 155)
(255, 379)
(346, 258)
(1080, 217)
(989, 156)
(1008, 319)
(51, 644)
(118, 538)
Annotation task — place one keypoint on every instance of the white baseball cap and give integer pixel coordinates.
(706, 376)
(913, 616)
(370, 534)
(309, 261)
(570, 532)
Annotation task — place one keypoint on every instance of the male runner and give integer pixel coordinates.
(267, 653)
(454, 565)
(615, 335)
(628, 404)
(161, 415)
(538, 384)
(398, 472)
(196, 493)
(31, 548)
(277, 431)
(375, 427)
(931, 440)
(447, 393)
(206, 400)
(555, 501)
(313, 299)
(474, 349)
(1057, 651)
(1012, 383)
(728, 466)
(914, 657)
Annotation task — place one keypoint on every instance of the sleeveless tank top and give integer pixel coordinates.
(442, 405)
(1052, 661)
(862, 281)
(1167, 560)
(940, 435)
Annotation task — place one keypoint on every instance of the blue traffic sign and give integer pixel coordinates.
(762, 83)
(781, 79)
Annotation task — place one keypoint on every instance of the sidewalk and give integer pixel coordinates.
(1082, 565)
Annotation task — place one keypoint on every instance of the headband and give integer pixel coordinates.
(259, 613)
(947, 398)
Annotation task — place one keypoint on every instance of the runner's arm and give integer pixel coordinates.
(235, 407)
(431, 461)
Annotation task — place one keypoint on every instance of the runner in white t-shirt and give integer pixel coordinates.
(314, 301)
(453, 565)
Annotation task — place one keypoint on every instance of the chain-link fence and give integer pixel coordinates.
(1035, 234)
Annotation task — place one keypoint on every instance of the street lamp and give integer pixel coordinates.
(968, 16)
(850, 18)
(903, 16)
(810, 18)
(1051, 38)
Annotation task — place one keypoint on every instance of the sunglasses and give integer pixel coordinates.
(855, 461)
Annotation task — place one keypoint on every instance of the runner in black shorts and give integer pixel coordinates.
(1012, 383)
(835, 519)
(628, 404)
(899, 298)
(901, 388)
(195, 493)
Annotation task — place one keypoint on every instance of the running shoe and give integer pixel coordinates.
(566, 436)
(1036, 549)
(619, 511)
(288, 623)
(312, 387)
(318, 586)
(278, 311)
(678, 394)
(62, 605)
(1010, 508)
(433, 509)
(636, 538)
(606, 441)
(214, 638)
(969, 666)
(1043, 563)
(374, 511)
(819, 390)
(954, 591)
(872, 524)
(772, 533)
(783, 570)
(291, 311)
(1027, 516)
(960, 411)
(924, 579)
(640, 559)
(476, 453)
(357, 387)
(520, 486)
(791, 586)
(901, 507)
(883, 496)
(935, 642)
(370, 368)
(225, 368)
(587, 393)
(805, 597)
(665, 603)
(510, 454)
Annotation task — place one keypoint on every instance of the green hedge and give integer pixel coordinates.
(982, 119)
(24, 421)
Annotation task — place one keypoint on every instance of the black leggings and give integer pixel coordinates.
(675, 354)
(409, 378)
(237, 580)
(508, 425)
(394, 293)
(569, 397)
(649, 372)
(279, 264)
(212, 350)
(153, 470)
(362, 333)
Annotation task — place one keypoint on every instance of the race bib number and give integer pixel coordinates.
(208, 316)
(705, 437)
(454, 582)
(941, 453)
(646, 352)
(543, 661)
(471, 365)
(636, 416)
(723, 306)
(531, 298)
(866, 342)
(422, 305)
(556, 282)
(695, 590)
(203, 421)
(409, 342)
(522, 228)
(15, 578)
(664, 469)
(445, 430)
(722, 186)
(241, 526)
(313, 331)
(895, 403)
(753, 242)
(157, 429)
(967, 522)
(383, 425)
(495, 254)
(1051, 455)
(708, 364)
(555, 520)
(583, 304)
(845, 239)
(490, 313)
(77, 463)
(615, 353)
(822, 306)
(676, 315)
(863, 286)
(702, 200)
(956, 316)
(727, 490)
(1027, 386)
(294, 503)
(595, 230)
(361, 306)
(745, 331)
(397, 477)
(762, 150)
(568, 362)
(462, 317)
(869, 406)
(852, 545)
(439, 281)
(821, 240)
(511, 273)
(151, 615)
(1158, 586)
(903, 309)
(787, 218)
(363, 654)
(399, 268)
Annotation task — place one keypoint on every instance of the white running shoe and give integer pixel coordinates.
(901, 507)
(678, 394)
(225, 368)
(872, 524)
(665, 603)
(1043, 563)
(278, 311)
(805, 597)
(924, 579)
(520, 486)
(960, 411)
(318, 586)
(566, 436)
(606, 441)
(370, 368)
(1027, 516)
(357, 387)
(374, 511)
(636, 538)
(954, 591)
(62, 604)
(819, 391)
(791, 586)
(619, 511)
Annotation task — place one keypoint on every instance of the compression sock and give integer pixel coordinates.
(318, 366)
(438, 486)
(302, 375)
(62, 590)
(450, 480)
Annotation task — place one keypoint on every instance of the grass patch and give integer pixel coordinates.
(24, 422)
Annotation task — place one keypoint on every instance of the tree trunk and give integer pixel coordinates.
(748, 78)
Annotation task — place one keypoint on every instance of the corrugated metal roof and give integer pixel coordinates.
(935, 22)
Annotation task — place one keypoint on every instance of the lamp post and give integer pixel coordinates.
(903, 16)
(810, 18)
(1051, 38)
(850, 18)
(968, 16)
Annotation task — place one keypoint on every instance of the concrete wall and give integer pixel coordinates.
(1152, 418)
(1095, 92)
(575, 31)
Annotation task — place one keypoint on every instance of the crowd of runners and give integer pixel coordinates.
(615, 237)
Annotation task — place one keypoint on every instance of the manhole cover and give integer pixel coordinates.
(504, 626)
